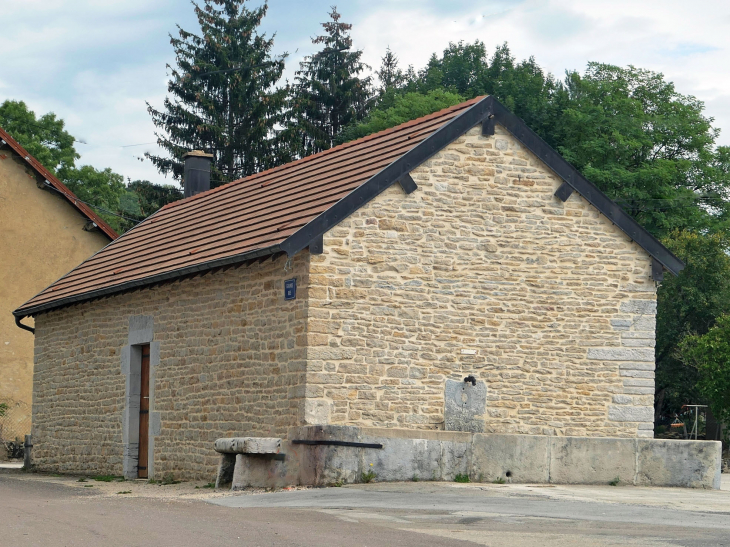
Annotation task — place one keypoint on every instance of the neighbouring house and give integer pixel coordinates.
(46, 231)
(446, 281)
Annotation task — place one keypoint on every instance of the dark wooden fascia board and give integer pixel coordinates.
(530, 140)
(488, 112)
(378, 183)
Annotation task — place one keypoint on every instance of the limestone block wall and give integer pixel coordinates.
(483, 271)
(231, 363)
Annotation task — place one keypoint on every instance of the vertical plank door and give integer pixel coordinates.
(144, 413)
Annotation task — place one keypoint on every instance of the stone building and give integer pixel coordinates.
(452, 274)
(45, 231)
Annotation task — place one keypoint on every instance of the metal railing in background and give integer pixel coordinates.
(15, 424)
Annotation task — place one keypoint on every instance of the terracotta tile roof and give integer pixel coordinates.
(240, 219)
(58, 185)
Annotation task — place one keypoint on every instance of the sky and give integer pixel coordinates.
(97, 63)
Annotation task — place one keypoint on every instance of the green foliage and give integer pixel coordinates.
(689, 304)
(462, 478)
(648, 147)
(223, 98)
(369, 476)
(466, 71)
(615, 481)
(102, 188)
(44, 138)
(3, 409)
(169, 478)
(389, 74)
(328, 93)
(404, 108)
(499, 480)
(125, 492)
(710, 354)
(108, 478)
(152, 197)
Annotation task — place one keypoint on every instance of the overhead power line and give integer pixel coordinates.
(281, 58)
(75, 198)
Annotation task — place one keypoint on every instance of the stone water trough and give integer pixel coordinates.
(331, 454)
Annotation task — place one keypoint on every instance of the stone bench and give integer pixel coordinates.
(241, 456)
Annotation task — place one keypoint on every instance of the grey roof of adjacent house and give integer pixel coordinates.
(289, 208)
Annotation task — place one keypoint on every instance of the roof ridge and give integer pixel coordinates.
(337, 148)
(58, 185)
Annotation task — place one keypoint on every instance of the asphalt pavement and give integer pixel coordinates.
(63, 511)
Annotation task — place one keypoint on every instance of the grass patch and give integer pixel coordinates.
(88, 486)
(499, 480)
(82, 479)
(461, 478)
(208, 485)
(125, 492)
(614, 482)
(108, 478)
(414, 478)
(169, 478)
(369, 476)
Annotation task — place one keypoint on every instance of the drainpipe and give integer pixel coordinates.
(22, 326)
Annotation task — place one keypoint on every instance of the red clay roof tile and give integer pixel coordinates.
(251, 214)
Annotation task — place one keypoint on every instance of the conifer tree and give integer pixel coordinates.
(328, 92)
(390, 74)
(223, 98)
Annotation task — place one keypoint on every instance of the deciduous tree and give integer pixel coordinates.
(45, 138)
(689, 304)
(647, 146)
(710, 355)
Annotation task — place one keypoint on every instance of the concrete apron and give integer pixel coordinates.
(442, 455)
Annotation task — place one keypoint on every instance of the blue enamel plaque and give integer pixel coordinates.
(290, 289)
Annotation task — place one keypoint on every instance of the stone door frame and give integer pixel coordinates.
(141, 332)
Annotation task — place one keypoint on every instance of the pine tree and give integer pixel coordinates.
(223, 96)
(390, 75)
(328, 92)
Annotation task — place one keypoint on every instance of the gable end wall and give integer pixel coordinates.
(554, 305)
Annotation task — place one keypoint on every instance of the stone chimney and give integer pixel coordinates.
(197, 172)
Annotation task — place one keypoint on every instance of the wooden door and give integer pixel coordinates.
(144, 413)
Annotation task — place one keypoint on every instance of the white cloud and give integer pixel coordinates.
(689, 43)
(96, 62)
